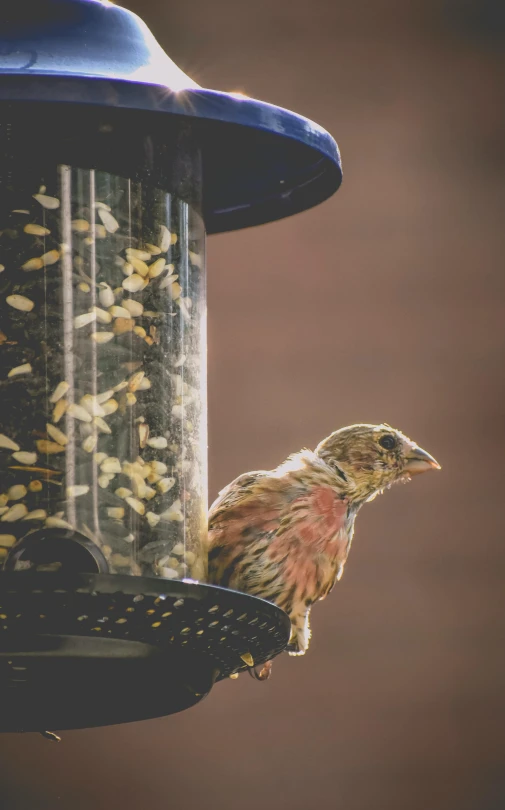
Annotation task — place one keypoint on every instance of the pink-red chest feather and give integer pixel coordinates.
(284, 539)
(313, 542)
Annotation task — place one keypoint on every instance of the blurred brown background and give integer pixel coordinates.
(385, 303)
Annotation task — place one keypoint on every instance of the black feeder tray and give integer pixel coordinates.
(88, 650)
(91, 631)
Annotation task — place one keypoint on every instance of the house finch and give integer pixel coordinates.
(285, 534)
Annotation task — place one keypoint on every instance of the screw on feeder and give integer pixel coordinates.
(102, 421)
(50, 735)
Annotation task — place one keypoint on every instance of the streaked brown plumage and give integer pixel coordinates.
(285, 534)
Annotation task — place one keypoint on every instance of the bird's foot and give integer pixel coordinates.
(263, 674)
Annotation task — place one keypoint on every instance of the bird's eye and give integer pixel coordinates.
(388, 442)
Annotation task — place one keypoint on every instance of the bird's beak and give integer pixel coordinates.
(418, 460)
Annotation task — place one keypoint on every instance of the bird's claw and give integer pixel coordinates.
(263, 674)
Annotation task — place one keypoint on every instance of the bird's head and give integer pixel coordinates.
(372, 457)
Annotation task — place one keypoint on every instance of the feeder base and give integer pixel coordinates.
(71, 682)
(98, 649)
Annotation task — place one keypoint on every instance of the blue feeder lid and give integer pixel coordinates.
(261, 162)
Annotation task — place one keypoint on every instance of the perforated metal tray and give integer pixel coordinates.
(97, 649)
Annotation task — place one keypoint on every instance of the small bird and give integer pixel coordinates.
(285, 534)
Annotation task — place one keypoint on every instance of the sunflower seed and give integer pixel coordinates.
(77, 490)
(101, 425)
(138, 485)
(152, 519)
(24, 369)
(36, 230)
(144, 255)
(80, 225)
(78, 412)
(59, 409)
(123, 492)
(91, 404)
(168, 281)
(110, 222)
(24, 457)
(106, 296)
(120, 386)
(49, 448)
(110, 407)
(58, 523)
(143, 434)
(122, 325)
(84, 320)
(57, 434)
(158, 467)
(165, 485)
(119, 312)
(51, 257)
(37, 514)
(17, 492)
(104, 396)
(196, 259)
(16, 512)
(157, 268)
(157, 442)
(135, 308)
(175, 291)
(90, 443)
(7, 540)
(169, 573)
(116, 512)
(165, 239)
(139, 266)
(20, 302)
(135, 504)
(102, 315)
(133, 283)
(60, 390)
(102, 337)
(33, 264)
(46, 201)
(111, 465)
(174, 512)
(135, 380)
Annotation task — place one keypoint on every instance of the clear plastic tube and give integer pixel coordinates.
(102, 346)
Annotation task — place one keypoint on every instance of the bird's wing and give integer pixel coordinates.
(252, 500)
(244, 516)
(236, 490)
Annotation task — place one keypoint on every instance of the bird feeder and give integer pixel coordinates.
(114, 166)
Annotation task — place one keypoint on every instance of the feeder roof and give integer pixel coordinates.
(261, 162)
